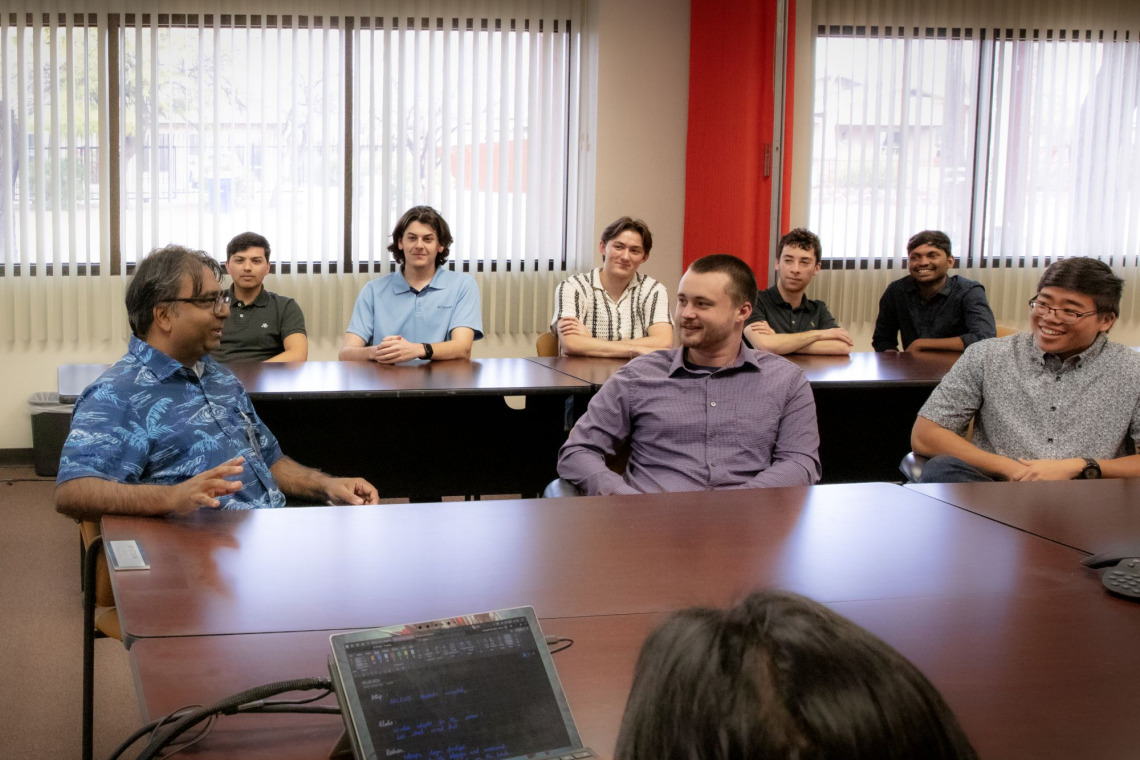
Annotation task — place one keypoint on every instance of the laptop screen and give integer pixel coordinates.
(469, 688)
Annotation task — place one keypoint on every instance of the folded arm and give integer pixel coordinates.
(576, 340)
(835, 340)
(937, 344)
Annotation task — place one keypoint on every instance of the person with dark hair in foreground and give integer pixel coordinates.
(710, 414)
(425, 310)
(781, 677)
(168, 430)
(1061, 402)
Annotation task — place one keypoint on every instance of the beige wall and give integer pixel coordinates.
(641, 61)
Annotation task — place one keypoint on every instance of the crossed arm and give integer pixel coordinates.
(834, 340)
(576, 340)
(91, 498)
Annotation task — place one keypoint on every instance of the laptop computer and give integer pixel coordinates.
(474, 687)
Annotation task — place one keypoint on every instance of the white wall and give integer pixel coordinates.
(642, 68)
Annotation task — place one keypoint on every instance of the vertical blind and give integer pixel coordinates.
(1013, 127)
(126, 126)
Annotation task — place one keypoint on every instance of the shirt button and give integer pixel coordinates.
(1052, 409)
(713, 404)
(1050, 440)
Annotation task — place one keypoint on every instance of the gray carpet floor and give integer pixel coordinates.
(41, 651)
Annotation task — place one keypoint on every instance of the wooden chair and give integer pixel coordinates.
(547, 344)
(100, 619)
(1003, 330)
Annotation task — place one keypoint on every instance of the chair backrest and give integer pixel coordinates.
(547, 344)
(106, 619)
(1003, 330)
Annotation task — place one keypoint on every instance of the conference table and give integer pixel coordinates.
(1092, 516)
(422, 430)
(1017, 635)
(866, 404)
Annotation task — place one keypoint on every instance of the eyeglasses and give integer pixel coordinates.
(217, 303)
(1067, 316)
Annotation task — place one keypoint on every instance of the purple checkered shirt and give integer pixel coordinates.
(748, 425)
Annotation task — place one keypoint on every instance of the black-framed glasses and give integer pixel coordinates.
(217, 303)
(1067, 316)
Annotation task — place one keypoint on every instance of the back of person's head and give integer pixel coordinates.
(618, 226)
(803, 239)
(424, 215)
(781, 677)
(158, 279)
(1090, 277)
(245, 241)
(741, 279)
(936, 238)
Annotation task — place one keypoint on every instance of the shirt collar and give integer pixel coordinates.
(944, 291)
(401, 285)
(159, 363)
(596, 283)
(778, 299)
(1093, 351)
(745, 358)
(261, 300)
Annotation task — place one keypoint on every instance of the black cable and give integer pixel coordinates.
(148, 728)
(230, 705)
(566, 643)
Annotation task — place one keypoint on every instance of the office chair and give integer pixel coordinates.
(547, 344)
(911, 464)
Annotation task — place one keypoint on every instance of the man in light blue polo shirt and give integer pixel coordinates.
(424, 311)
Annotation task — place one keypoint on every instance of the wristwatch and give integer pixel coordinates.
(1091, 470)
(429, 351)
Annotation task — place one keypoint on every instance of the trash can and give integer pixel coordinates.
(51, 422)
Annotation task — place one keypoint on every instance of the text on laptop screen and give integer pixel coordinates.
(470, 693)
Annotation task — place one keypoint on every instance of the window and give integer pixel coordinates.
(130, 131)
(1017, 143)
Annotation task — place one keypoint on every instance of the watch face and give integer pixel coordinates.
(1091, 471)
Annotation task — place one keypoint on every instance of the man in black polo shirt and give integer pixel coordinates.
(262, 326)
(931, 309)
(783, 320)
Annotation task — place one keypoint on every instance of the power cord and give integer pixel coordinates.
(253, 700)
(552, 641)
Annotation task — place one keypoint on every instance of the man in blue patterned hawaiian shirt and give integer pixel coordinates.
(166, 429)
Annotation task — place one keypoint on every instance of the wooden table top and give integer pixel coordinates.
(924, 368)
(1028, 676)
(1089, 515)
(345, 567)
(369, 379)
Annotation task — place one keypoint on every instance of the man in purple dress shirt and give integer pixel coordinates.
(710, 414)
